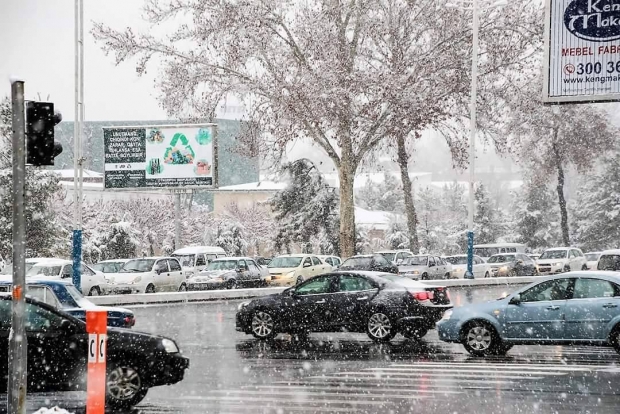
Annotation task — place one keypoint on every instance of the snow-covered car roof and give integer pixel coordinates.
(612, 251)
(53, 262)
(114, 261)
(199, 250)
(222, 259)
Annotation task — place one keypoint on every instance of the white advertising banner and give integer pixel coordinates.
(582, 51)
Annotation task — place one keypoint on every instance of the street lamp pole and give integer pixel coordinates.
(472, 136)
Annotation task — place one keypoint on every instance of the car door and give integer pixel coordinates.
(88, 278)
(480, 267)
(162, 273)
(67, 272)
(243, 271)
(176, 277)
(540, 314)
(201, 263)
(580, 260)
(594, 303)
(306, 268)
(353, 299)
(432, 268)
(312, 304)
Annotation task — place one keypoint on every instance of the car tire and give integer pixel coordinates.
(300, 280)
(487, 275)
(513, 273)
(447, 276)
(94, 291)
(566, 269)
(150, 288)
(263, 325)
(481, 339)
(124, 386)
(424, 276)
(380, 328)
(183, 287)
(414, 332)
(584, 267)
(231, 284)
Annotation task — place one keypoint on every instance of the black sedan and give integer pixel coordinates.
(369, 262)
(354, 301)
(57, 356)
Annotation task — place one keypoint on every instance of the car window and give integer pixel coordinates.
(200, 260)
(161, 265)
(67, 271)
(253, 266)
(241, 264)
(211, 257)
(351, 283)
(86, 270)
(337, 261)
(380, 260)
(431, 261)
(315, 286)
(43, 294)
(593, 288)
(174, 265)
(511, 250)
(5, 315)
(307, 262)
(40, 320)
(609, 262)
(556, 289)
(316, 261)
(329, 261)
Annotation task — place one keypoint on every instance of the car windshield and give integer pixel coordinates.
(285, 262)
(222, 265)
(554, 254)
(357, 262)
(75, 294)
(186, 260)
(44, 270)
(108, 267)
(457, 260)
(592, 257)
(388, 256)
(416, 261)
(609, 262)
(486, 251)
(502, 258)
(138, 265)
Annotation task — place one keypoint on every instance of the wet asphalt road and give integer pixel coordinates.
(340, 373)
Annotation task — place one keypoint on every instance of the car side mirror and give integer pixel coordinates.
(431, 265)
(65, 276)
(307, 265)
(515, 300)
(68, 327)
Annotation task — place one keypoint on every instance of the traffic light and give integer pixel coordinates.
(41, 149)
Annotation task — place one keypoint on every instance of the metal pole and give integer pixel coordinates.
(177, 220)
(17, 339)
(77, 151)
(472, 136)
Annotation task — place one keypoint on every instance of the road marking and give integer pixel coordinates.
(371, 376)
(390, 371)
(305, 401)
(345, 389)
(310, 391)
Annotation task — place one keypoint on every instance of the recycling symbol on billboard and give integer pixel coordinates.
(179, 154)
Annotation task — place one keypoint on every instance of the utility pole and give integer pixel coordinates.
(77, 143)
(17, 339)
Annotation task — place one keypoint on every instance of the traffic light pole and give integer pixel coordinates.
(17, 338)
(77, 143)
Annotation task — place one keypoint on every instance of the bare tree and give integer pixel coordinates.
(347, 75)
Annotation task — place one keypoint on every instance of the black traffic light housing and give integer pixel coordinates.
(41, 149)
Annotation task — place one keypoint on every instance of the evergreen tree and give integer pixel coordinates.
(535, 215)
(231, 237)
(485, 218)
(305, 208)
(386, 195)
(397, 236)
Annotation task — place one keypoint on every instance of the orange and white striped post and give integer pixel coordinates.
(97, 328)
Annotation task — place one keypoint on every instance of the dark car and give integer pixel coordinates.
(57, 355)
(369, 262)
(63, 295)
(512, 264)
(355, 301)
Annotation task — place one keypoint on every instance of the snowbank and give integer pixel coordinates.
(54, 410)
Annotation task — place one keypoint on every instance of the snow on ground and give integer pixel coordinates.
(54, 410)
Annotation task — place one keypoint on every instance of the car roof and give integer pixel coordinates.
(199, 249)
(612, 251)
(296, 255)
(500, 245)
(53, 262)
(220, 259)
(114, 261)
(561, 248)
(394, 251)
(31, 280)
(589, 274)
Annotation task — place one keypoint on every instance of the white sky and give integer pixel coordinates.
(37, 44)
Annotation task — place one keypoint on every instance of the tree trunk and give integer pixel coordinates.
(561, 199)
(412, 218)
(347, 210)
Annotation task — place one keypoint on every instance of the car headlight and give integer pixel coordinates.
(503, 269)
(169, 346)
(290, 274)
(137, 279)
(242, 305)
(558, 264)
(447, 314)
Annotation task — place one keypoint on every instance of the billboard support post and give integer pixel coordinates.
(177, 220)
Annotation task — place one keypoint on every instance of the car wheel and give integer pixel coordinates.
(94, 291)
(424, 276)
(566, 269)
(231, 284)
(124, 387)
(512, 273)
(446, 276)
(263, 325)
(584, 267)
(300, 280)
(481, 339)
(486, 275)
(414, 332)
(150, 288)
(183, 287)
(380, 327)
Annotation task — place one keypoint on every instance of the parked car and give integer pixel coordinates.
(110, 266)
(193, 259)
(58, 354)
(333, 261)
(511, 265)
(609, 260)
(356, 301)
(576, 307)
(370, 262)
(487, 250)
(229, 273)
(149, 275)
(561, 259)
(30, 261)
(61, 294)
(592, 260)
(289, 270)
(534, 256)
(93, 282)
(459, 266)
(395, 256)
(261, 261)
(425, 267)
